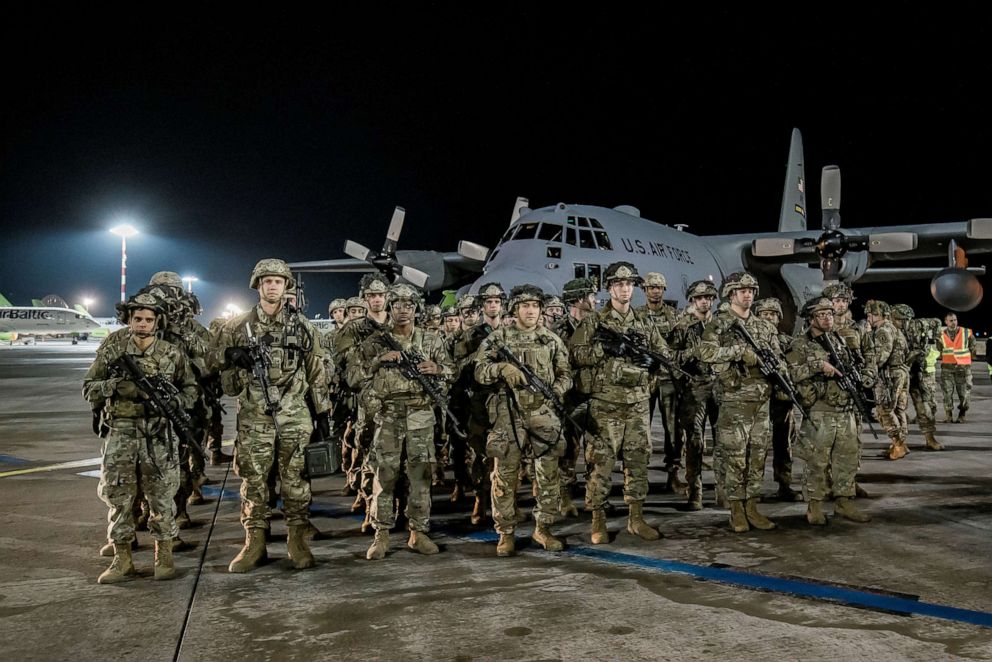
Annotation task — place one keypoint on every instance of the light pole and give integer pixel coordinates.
(189, 280)
(124, 231)
(87, 302)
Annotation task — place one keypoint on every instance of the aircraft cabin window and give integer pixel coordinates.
(550, 232)
(527, 231)
(594, 272)
(603, 241)
(570, 238)
(554, 252)
(583, 222)
(586, 240)
(580, 270)
(595, 223)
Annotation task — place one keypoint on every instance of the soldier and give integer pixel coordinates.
(338, 311)
(468, 308)
(274, 422)
(662, 385)
(341, 407)
(450, 324)
(618, 407)
(828, 440)
(525, 424)
(554, 310)
(696, 402)
(918, 343)
(475, 408)
(783, 421)
(357, 308)
(404, 419)
(580, 295)
(957, 351)
(892, 385)
(140, 445)
(432, 318)
(743, 425)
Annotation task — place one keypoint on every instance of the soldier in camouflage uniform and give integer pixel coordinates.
(892, 385)
(957, 348)
(468, 316)
(663, 396)
(296, 369)
(554, 310)
(451, 323)
(524, 423)
(829, 439)
(357, 308)
(743, 426)
(696, 402)
(432, 318)
(473, 410)
(618, 407)
(140, 446)
(580, 295)
(469, 307)
(783, 421)
(918, 342)
(404, 419)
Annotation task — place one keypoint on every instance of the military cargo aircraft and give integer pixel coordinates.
(23, 322)
(552, 245)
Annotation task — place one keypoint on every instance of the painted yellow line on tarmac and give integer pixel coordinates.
(52, 467)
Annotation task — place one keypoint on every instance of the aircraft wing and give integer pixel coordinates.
(341, 265)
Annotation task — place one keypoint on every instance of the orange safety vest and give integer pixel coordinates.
(955, 351)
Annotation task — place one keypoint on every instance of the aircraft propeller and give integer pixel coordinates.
(385, 260)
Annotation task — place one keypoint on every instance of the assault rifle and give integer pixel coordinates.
(849, 379)
(162, 399)
(429, 383)
(634, 346)
(771, 368)
(261, 361)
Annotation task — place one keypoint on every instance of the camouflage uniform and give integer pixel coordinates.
(524, 424)
(892, 386)
(918, 342)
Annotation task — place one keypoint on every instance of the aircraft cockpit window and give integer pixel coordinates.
(586, 240)
(509, 233)
(595, 223)
(526, 231)
(570, 220)
(583, 222)
(550, 232)
(603, 241)
(570, 238)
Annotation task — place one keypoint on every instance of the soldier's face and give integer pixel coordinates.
(452, 324)
(355, 312)
(951, 321)
(271, 289)
(403, 311)
(376, 301)
(470, 316)
(621, 291)
(527, 314)
(654, 293)
(769, 315)
(492, 307)
(554, 312)
(434, 322)
(339, 315)
(898, 322)
(703, 304)
(841, 305)
(874, 319)
(743, 298)
(823, 320)
(142, 322)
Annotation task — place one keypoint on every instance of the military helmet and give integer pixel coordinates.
(816, 305)
(193, 303)
(654, 279)
(270, 266)
(522, 293)
(577, 289)
(450, 311)
(739, 280)
(467, 302)
(143, 300)
(404, 292)
(170, 278)
(372, 284)
(356, 302)
(335, 304)
(433, 310)
(552, 301)
(839, 291)
(701, 288)
(768, 303)
(490, 290)
(903, 312)
(876, 307)
(621, 271)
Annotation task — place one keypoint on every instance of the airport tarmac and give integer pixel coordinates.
(914, 584)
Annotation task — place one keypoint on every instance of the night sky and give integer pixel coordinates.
(227, 140)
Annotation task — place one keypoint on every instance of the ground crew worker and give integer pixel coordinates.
(525, 425)
(140, 445)
(957, 351)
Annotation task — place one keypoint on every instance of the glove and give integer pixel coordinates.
(614, 349)
(511, 375)
(749, 358)
(322, 424)
(646, 362)
(238, 356)
(127, 389)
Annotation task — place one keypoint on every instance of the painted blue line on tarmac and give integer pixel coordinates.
(10, 459)
(797, 587)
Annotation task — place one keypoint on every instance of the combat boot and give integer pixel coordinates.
(108, 549)
(948, 417)
(568, 508)
(961, 413)
(121, 568)
(844, 507)
(479, 511)
(357, 504)
(786, 493)
(636, 523)
(898, 450)
(379, 546)
(456, 493)
(252, 554)
(674, 484)
(932, 443)
(164, 567)
(419, 542)
(218, 457)
(756, 519)
(738, 520)
(196, 498)
(600, 536)
(297, 547)
(506, 545)
(180, 545)
(695, 501)
(543, 536)
(814, 513)
(183, 521)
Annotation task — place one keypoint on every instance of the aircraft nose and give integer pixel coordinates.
(510, 277)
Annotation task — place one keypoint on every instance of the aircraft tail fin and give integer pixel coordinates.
(792, 218)
(37, 303)
(80, 309)
(449, 299)
(4, 303)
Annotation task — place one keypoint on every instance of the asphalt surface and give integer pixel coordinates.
(915, 583)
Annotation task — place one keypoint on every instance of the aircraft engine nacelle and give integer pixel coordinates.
(429, 262)
(957, 289)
